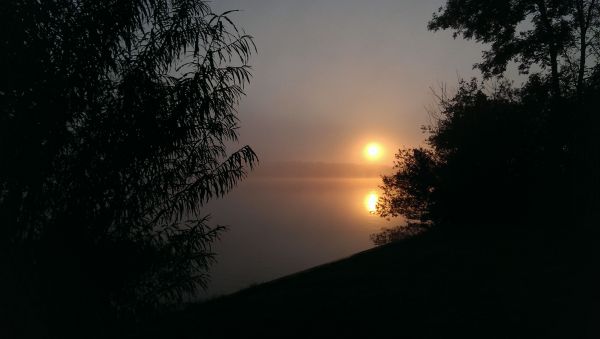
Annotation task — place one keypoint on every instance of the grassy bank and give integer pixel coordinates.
(497, 283)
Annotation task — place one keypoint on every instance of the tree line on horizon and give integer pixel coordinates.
(503, 155)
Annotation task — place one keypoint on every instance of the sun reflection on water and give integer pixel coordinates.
(371, 202)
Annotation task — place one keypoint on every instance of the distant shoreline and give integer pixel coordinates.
(318, 170)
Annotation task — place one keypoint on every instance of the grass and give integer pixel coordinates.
(498, 282)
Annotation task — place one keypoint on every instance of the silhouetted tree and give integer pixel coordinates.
(546, 33)
(561, 35)
(510, 156)
(476, 167)
(408, 192)
(115, 116)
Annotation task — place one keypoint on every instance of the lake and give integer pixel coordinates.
(279, 226)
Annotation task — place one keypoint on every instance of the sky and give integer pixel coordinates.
(331, 76)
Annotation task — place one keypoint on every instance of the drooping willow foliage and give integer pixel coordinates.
(115, 121)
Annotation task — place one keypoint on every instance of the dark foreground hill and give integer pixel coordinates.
(496, 283)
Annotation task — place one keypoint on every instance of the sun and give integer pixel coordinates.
(373, 151)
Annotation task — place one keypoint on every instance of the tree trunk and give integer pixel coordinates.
(583, 21)
(552, 49)
(554, 72)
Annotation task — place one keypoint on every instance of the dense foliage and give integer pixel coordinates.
(503, 155)
(114, 121)
(560, 35)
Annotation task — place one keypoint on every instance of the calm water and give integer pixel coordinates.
(281, 226)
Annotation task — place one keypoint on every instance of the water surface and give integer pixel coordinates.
(278, 226)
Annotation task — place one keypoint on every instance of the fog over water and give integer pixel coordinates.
(329, 78)
(282, 224)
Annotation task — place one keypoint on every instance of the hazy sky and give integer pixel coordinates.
(332, 75)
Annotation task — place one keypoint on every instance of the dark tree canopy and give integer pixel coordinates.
(500, 155)
(546, 33)
(408, 192)
(115, 116)
(479, 147)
